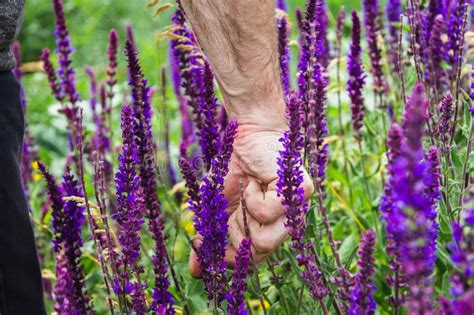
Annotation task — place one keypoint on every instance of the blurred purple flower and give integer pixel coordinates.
(471, 92)
(371, 11)
(340, 24)
(16, 50)
(281, 4)
(455, 33)
(130, 35)
(188, 64)
(394, 9)
(187, 130)
(64, 51)
(435, 52)
(356, 82)
(112, 65)
(409, 204)
(50, 72)
(462, 254)
(446, 110)
(171, 174)
(283, 51)
(92, 90)
(434, 9)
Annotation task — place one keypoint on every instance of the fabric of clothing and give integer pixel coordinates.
(10, 21)
(21, 290)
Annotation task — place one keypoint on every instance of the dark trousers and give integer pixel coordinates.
(21, 290)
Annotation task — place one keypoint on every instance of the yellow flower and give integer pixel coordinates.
(257, 306)
(36, 177)
(187, 222)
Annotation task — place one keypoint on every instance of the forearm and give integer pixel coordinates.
(239, 38)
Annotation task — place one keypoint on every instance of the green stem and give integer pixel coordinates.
(364, 173)
(277, 285)
(299, 300)
(446, 188)
(465, 176)
(259, 288)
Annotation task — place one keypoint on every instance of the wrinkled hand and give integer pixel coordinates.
(254, 163)
(247, 69)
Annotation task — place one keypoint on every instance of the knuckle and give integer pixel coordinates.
(308, 187)
(261, 216)
(264, 246)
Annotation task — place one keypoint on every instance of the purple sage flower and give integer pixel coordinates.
(64, 51)
(471, 94)
(209, 206)
(209, 132)
(455, 33)
(317, 128)
(462, 254)
(394, 9)
(112, 65)
(187, 129)
(129, 211)
(92, 90)
(189, 62)
(236, 296)
(212, 221)
(371, 11)
(356, 82)
(362, 300)
(141, 107)
(435, 53)
(446, 110)
(312, 45)
(68, 218)
(50, 72)
(283, 51)
(281, 4)
(290, 178)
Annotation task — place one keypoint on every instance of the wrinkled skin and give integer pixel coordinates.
(245, 64)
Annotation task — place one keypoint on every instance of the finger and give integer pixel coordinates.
(263, 206)
(266, 238)
(307, 185)
(193, 263)
(236, 235)
(232, 183)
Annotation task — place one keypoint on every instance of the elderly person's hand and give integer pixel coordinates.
(239, 38)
